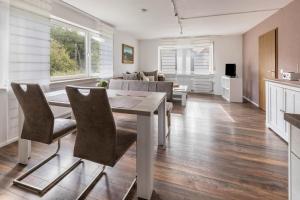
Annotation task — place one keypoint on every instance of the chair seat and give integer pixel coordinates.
(62, 127)
(125, 138)
(169, 107)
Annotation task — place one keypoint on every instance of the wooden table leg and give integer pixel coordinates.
(162, 127)
(145, 156)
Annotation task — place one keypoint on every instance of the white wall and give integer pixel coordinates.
(119, 39)
(227, 49)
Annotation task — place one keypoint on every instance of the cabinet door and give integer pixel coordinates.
(295, 177)
(297, 102)
(289, 101)
(272, 106)
(289, 108)
(280, 106)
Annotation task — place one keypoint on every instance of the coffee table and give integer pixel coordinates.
(180, 93)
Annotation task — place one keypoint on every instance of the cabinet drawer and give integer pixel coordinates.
(295, 178)
(295, 140)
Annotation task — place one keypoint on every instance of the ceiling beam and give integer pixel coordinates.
(230, 13)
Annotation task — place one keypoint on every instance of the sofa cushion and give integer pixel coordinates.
(116, 84)
(165, 87)
(138, 85)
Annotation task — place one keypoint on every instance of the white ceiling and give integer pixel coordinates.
(159, 21)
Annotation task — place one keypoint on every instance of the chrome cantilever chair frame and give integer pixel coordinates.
(41, 191)
(97, 178)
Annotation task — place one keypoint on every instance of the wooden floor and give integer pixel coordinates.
(216, 151)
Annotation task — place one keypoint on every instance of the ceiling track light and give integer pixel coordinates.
(178, 17)
(230, 13)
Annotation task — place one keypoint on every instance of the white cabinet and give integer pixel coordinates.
(232, 89)
(276, 109)
(281, 98)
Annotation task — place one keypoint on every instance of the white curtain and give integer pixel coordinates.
(4, 42)
(24, 52)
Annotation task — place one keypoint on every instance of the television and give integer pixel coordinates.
(230, 70)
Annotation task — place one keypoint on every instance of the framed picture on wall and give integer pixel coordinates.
(127, 54)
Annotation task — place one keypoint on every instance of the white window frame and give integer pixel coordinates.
(89, 33)
(211, 67)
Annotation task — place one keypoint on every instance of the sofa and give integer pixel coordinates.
(150, 86)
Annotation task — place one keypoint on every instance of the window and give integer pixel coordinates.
(187, 60)
(68, 51)
(78, 52)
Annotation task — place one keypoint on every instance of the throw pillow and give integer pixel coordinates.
(133, 76)
(143, 77)
(154, 73)
(151, 78)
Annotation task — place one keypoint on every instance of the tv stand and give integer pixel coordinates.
(232, 89)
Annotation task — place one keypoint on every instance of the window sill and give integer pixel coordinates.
(79, 81)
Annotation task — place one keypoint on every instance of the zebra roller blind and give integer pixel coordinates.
(187, 59)
(168, 61)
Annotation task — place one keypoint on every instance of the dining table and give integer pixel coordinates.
(140, 103)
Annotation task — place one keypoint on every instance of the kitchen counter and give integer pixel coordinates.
(285, 82)
(293, 119)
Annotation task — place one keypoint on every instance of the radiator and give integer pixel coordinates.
(202, 85)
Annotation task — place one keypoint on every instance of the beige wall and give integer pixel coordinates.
(287, 22)
(119, 39)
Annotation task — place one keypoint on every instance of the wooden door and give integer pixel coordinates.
(267, 63)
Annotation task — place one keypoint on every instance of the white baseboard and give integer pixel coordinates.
(9, 142)
(247, 99)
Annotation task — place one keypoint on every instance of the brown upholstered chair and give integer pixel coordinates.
(40, 126)
(98, 139)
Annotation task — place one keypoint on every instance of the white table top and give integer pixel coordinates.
(130, 102)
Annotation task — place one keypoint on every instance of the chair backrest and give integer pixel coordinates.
(96, 129)
(38, 117)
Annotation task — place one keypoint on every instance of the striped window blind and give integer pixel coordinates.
(201, 59)
(29, 47)
(186, 56)
(168, 61)
(106, 52)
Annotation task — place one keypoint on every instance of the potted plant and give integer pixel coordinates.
(102, 83)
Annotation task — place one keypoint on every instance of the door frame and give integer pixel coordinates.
(259, 65)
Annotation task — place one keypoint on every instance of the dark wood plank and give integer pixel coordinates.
(216, 150)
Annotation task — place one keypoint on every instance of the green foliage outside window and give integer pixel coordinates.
(68, 52)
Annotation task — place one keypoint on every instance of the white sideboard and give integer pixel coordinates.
(281, 96)
(232, 89)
